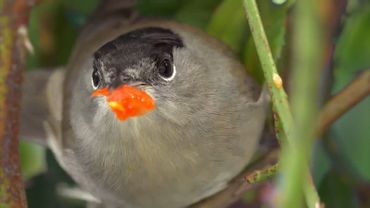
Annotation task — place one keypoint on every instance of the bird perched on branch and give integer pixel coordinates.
(147, 113)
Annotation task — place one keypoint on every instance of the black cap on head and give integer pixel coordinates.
(151, 43)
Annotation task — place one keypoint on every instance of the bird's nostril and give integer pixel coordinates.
(137, 84)
(124, 79)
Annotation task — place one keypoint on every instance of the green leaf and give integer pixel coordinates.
(351, 132)
(229, 24)
(32, 157)
(336, 191)
(321, 164)
(197, 13)
(53, 28)
(353, 48)
(166, 8)
(80, 6)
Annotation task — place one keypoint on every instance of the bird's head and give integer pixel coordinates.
(137, 69)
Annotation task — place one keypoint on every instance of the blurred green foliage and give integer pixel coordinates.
(346, 156)
(352, 131)
(54, 26)
(32, 159)
(336, 191)
(232, 30)
(196, 13)
(42, 189)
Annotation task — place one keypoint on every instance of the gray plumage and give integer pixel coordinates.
(203, 131)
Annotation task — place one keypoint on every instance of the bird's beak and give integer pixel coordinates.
(127, 100)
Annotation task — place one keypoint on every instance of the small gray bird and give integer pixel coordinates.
(204, 129)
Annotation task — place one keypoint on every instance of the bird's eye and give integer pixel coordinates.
(166, 70)
(95, 79)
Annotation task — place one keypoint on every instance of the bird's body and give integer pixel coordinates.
(203, 131)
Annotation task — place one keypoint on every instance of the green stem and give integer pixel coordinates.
(307, 61)
(293, 172)
(278, 95)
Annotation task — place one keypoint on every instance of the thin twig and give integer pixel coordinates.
(13, 17)
(343, 101)
(273, 80)
(261, 175)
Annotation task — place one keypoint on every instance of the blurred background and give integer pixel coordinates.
(341, 159)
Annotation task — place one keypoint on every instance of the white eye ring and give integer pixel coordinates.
(172, 76)
(94, 83)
